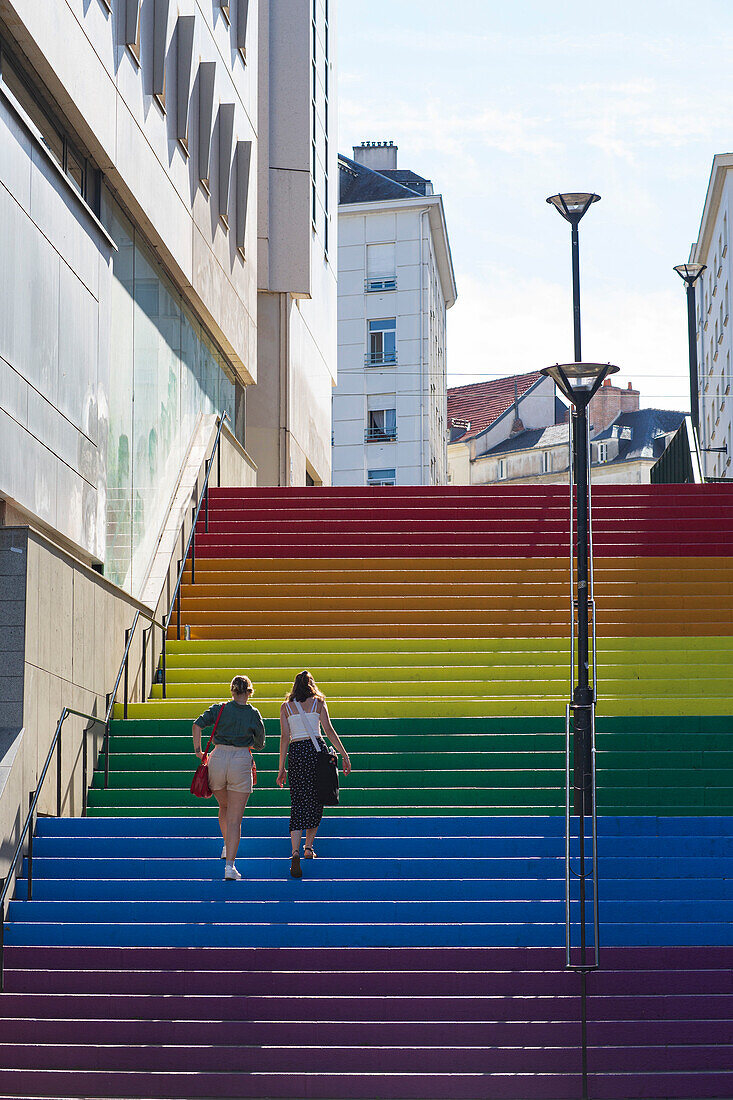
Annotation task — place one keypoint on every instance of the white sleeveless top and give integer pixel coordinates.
(304, 724)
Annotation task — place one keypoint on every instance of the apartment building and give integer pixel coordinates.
(396, 282)
(714, 345)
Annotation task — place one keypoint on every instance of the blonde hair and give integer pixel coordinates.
(304, 687)
(242, 685)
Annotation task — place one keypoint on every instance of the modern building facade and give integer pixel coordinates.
(396, 282)
(289, 411)
(134, 247)
(714, 344)
(129, 241)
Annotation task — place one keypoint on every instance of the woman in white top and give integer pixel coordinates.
(302, 715)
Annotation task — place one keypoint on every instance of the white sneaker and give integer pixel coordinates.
(231, 874)
(224, 852)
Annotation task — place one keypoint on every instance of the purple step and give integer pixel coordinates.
(327, 1009)
(695, 1085)
(444, 1086)
(394, 982)
(305, 983)
(415, 1058)
(306, 1033)
(380, 959)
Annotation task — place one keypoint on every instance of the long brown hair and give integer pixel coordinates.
(304, 687)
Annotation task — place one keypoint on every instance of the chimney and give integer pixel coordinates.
(377, 155)
(517, 426)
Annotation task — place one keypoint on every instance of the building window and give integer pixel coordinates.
(82, 176)
(603, 452)
(382, 477)
(546, 462)
(382, 426)
(382, 342)
(381, 267)
(502, 469)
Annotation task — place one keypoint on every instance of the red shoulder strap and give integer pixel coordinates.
(216, 723)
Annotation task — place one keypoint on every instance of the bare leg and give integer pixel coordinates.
(221, 798)
(295, 835)
(236, 803)
(310, 836)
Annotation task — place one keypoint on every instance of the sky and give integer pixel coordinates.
(501, 104)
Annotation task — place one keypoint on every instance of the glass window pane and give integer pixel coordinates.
(34, 110)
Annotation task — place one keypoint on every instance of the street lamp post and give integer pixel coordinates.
(690, 273)
(579, 382)
(573, 206)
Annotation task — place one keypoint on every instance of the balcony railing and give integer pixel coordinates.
(376, 283)
(380, 359)
(380, 435)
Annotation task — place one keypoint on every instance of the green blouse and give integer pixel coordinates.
(240, 726)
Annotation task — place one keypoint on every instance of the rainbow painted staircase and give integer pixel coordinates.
(422, 954)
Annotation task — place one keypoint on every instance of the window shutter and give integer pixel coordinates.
(243, 158)
(226, 137)
(184, 55)
(160, 43)
(207, 70)
(242, 13)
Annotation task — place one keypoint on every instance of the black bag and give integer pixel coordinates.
(327, 777)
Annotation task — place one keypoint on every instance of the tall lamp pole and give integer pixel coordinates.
(690, 273)
(579, 381)
(573, 206)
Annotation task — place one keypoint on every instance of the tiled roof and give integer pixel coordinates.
(645, 433)
(641, 434)
(530, 438)
(360, 184)
(483, 402)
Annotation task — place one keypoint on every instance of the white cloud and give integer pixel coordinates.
(509, 324)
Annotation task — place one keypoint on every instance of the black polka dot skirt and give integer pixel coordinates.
(305, 809)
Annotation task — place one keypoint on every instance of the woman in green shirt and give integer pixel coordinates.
(240, 730)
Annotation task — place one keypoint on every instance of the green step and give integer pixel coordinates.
(386, 797)
(663, 725)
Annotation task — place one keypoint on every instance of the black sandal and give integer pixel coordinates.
(295, 870)
(312, 852)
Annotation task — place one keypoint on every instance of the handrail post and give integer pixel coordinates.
(105, 746)
(2, 938)
(84, 752)
(193, 547)
(218, 456)
(58, 777)
(31, 796)
(206, 496)
(144, 662)
(127, 655)
(178, 606)
(165, 638)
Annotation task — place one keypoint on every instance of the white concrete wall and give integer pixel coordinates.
(54, 353)
(715, 346)
(77, 49)
(416, 385)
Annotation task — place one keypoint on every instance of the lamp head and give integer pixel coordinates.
(573, 204)
(690, 273)
(579, 381)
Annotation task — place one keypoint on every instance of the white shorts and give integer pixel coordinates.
(230, 769)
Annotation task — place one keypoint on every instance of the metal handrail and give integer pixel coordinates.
(191, 544)
(27, 830)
